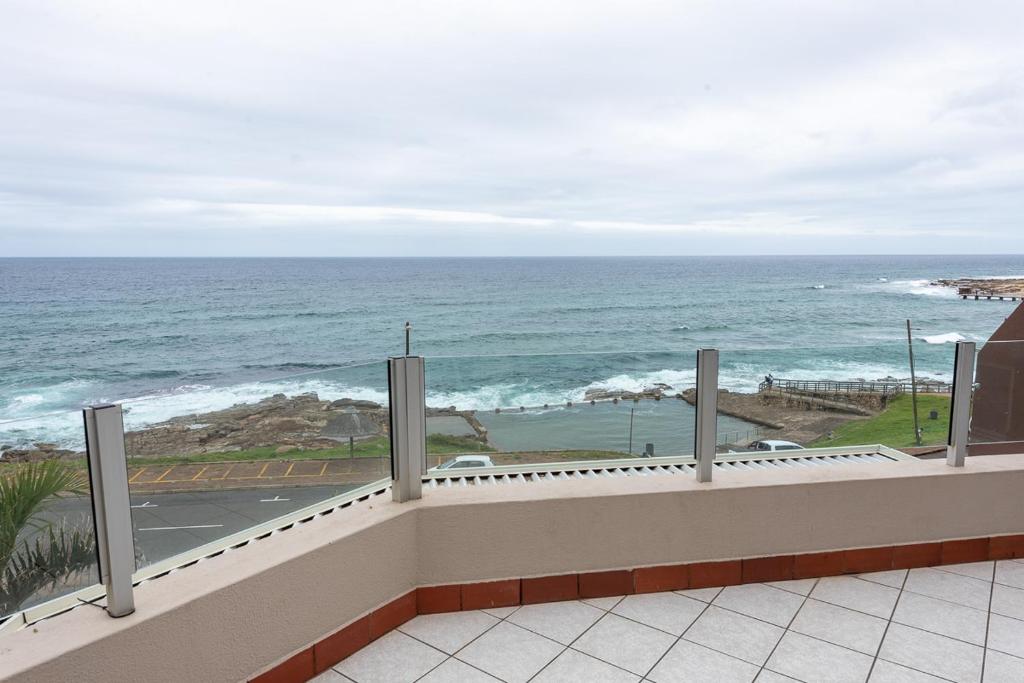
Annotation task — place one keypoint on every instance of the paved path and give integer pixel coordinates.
(256, 474)
(166, 524)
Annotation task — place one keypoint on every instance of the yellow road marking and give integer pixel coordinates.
(289, 469)
(200, 472)
(137, 474)
(161, 477)
(228, 471)
(323, 470)
(260, 475)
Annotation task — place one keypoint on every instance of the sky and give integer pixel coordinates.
(381, 128)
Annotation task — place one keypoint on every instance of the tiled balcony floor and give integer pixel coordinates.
(957, 623)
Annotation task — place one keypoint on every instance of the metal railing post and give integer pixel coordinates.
(960, 405)
(111, 505)
(707, 412)
(407, 391)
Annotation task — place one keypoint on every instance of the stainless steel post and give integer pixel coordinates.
(960, 406)
(407, 391)
(111, 505)
(707, 412)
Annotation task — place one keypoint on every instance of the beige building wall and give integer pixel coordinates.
(232, 616)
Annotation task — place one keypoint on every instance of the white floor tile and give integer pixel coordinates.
(668, 612)
(807, 659)
(560, 621)
(944, 618)
(500, 612)
(694, 663)
(1006, 635)
(1008, 601)
(957, 588)
(702, 594)
(603, 603)
(394, 658)
(931, 653)
(735, 634)
(892, 578)
(855, 630)
(1002, 668)
(761, 602)
(454, 671)
(767, 676)
(1010, 573)
(510, 653)
(329, 676)
(975, 570)
(571, 666)
(625, 643)
(887, 672)
(857, 594)
(448, 632)
(798, 586)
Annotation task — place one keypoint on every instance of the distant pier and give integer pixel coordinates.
(976, 294)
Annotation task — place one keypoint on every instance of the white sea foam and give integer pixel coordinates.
(947, 338)
(65, 429)
(920, 288)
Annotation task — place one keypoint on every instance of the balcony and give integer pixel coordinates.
(565, 563)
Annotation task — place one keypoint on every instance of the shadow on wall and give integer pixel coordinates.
(998, 411)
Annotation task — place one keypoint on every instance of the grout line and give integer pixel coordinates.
(888, 623)
(786, 629)
(680, 636)
(988, 620)
(452, 656)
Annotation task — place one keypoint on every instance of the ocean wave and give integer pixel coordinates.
(65, 429)
(920, 288)
(947, 338)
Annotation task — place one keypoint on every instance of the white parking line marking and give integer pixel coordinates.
(275, 499)
(147, 504)
(172, 528)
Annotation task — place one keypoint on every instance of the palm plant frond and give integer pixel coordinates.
(51, 554)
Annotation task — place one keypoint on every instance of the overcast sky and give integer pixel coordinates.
(543, 128)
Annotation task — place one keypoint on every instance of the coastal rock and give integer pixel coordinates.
(655, 392)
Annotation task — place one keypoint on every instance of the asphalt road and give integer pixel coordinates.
(166, 524)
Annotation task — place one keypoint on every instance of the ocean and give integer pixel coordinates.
(190, 335)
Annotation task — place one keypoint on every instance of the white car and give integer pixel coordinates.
(774, 445)
(465, 461)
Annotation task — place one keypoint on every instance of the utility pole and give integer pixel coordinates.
(913, 384)
(631, 430)
(408, 338)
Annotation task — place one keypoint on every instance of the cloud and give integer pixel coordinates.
(647, 126)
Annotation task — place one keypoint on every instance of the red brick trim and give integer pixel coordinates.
(550, 589)
(491, 594)
(916, 555)
(511, 592)
(606, 584)
(673, 577)
(710, 574)
(296, 669)
(967, 550)
(813, 565)
(1006, 547)
(434, 599)
(758, 569)
(392, 615)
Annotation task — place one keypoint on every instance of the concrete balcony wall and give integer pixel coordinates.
(237, 614)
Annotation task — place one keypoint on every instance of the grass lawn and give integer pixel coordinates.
(895, 425)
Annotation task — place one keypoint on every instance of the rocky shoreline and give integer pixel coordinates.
(305, 422)
(993, 286)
